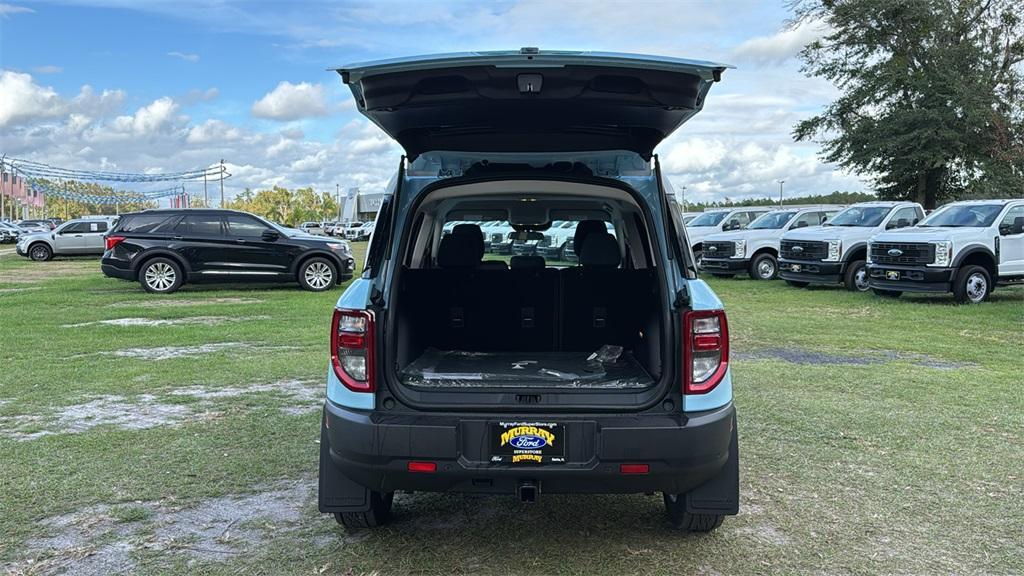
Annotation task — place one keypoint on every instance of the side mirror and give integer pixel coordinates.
(902, 223)
(733, 225)
(270, 236)
(800, 224)
(1016, 228)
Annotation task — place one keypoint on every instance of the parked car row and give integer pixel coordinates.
(966, 248)
(73, 238)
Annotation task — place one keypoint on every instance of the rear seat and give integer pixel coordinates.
(529, 307)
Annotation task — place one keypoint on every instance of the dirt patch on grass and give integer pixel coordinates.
(187, 321)
(814, 357)
(15, 290)
(103, 539)
(45, 271)
(169, 352)
(165, 303)
(146, 411)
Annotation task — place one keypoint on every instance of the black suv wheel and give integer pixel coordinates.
(161, 276)
(675, 505)
(317, 274)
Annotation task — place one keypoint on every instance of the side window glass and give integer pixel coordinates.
(97, 227)
(74, 228)
(379, 240)
(144, 223)
(902, 218)
(807, 219)
(242, 226)
(199, 225)
(1013, 222)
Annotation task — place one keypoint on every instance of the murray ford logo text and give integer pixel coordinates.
(895, 252)
(528, 442)
(527, 437)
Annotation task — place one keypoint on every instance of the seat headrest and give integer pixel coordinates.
(583, 228)
(459, 251)
(600, 250)
(527, 263)
(493, 265)
(473, 232)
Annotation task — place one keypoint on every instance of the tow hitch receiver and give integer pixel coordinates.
(527, 491)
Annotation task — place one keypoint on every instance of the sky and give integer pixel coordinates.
(168, 86)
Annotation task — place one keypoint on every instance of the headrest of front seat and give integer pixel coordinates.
(600, 250)
(473, 232)
(527, 262)
(458, 251)
(584, 228)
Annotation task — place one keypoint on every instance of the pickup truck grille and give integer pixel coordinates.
(719, 249)
(902, 253)
(803, 250)
(497, 238)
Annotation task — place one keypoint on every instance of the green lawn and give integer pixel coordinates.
(876, 436)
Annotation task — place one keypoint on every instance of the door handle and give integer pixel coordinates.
(240, 240)
(177, 238)
(78, 235)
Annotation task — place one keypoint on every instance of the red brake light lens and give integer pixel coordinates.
(352, 355)
(113, 241)
(428, 467)
(634, 468)
(705, 350)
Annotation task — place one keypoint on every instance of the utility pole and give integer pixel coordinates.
(206, 195)
(337, 193)
(682, 197)
(781, 182)
(221, 182)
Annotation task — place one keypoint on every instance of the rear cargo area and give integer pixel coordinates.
(575, 328)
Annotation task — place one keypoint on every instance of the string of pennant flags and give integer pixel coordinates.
(40, 179)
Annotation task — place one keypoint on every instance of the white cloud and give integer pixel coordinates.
(781, 46)
(8, 9)
(48, 69)
(212, 131)
(187, 57)
(153, 117)
(292, 102)
(24, 100)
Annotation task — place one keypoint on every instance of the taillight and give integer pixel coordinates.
(705, 350)
(113, 241)
(352, 349)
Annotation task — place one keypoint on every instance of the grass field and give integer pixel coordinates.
(180, 437)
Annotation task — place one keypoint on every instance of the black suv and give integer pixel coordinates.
(164, 248)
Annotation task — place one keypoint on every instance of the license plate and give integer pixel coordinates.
(525, 443)
(892, 275)
(795, 267)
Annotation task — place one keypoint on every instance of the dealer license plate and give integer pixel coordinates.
(523, 443)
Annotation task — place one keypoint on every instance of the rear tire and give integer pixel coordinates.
(318, 274)
(972, 285)
(40, 252)
(797, 284)
(856, 279)
(675, 505)
(764, 267)
(887, 293)
(161, 276)
(378, 514)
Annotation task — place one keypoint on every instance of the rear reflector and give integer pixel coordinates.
(634, 468)
(422, 467)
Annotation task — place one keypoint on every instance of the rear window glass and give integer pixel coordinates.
(144, 223)
(501, 242)
(200, 225)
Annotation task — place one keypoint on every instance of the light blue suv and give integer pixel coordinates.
(455, 372)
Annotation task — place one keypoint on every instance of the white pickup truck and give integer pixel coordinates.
(964, 247)
(719, 220)
(836, 252)
(755, 249)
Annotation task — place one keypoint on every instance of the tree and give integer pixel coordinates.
(931, 94)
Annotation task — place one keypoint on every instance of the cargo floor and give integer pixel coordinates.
(461, 369)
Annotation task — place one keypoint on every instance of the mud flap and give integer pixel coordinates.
(721, 494)
(336, 492)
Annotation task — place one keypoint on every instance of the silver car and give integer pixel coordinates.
(72, 238)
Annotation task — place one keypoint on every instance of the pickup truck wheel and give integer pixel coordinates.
(972, 285)
(764, 267)
(887, 293)
(797, 284)
(40, 252)
(675, 505)
(378, 514)
(161, 276)
(856, 279)
(698, 258)
(317, 275)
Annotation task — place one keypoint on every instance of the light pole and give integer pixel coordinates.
(781, 182)
(682, 196)
(337, 194)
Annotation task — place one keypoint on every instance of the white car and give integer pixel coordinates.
(313, 228)
(349, 230)
(719, 220)
(364, 231)
(755, 249)
(964, 247)
(836, 252)
(72, 238)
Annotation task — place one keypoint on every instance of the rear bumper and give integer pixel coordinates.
(724, 264)
(812, 271)
(371, 450)
(910, 278)
(116, 267)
